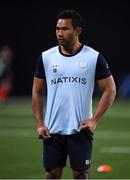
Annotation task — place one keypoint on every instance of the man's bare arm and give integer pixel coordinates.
(37, 106)
(108, 88)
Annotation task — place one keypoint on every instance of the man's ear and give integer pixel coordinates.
(79, 30)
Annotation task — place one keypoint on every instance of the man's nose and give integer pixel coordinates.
(60, 33)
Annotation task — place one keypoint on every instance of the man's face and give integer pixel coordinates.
(65, 32)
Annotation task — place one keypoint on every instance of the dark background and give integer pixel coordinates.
(29, 27)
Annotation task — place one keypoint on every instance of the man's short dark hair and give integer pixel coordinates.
(71, 14)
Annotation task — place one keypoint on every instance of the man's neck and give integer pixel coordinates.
(71, 50)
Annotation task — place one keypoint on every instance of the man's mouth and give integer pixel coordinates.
(61, 40)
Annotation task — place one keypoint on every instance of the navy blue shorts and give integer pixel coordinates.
(77, 146)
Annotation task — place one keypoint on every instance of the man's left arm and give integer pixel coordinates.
(107, 85)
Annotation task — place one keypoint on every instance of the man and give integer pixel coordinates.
(69, 72)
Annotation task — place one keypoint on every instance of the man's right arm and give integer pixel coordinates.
(37, 100)
(37, 106)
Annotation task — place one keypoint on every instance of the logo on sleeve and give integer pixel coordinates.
(107, 66)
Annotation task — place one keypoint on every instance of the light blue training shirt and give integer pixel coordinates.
(70, 83)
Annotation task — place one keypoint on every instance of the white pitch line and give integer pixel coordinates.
(119, 150)
(112, 134)
(17, 133)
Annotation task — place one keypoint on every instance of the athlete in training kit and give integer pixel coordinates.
(69, 71)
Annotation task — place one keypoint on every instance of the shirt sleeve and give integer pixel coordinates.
(102, 68)
(40, 72)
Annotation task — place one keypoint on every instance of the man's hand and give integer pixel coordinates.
(89, 123)
(43, 132)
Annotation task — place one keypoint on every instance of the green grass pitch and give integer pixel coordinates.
(21, 151)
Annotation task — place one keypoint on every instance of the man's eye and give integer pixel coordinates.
(57, 29)
(65, 28)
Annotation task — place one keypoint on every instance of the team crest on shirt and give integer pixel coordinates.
(55, 68)
(83, 64)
